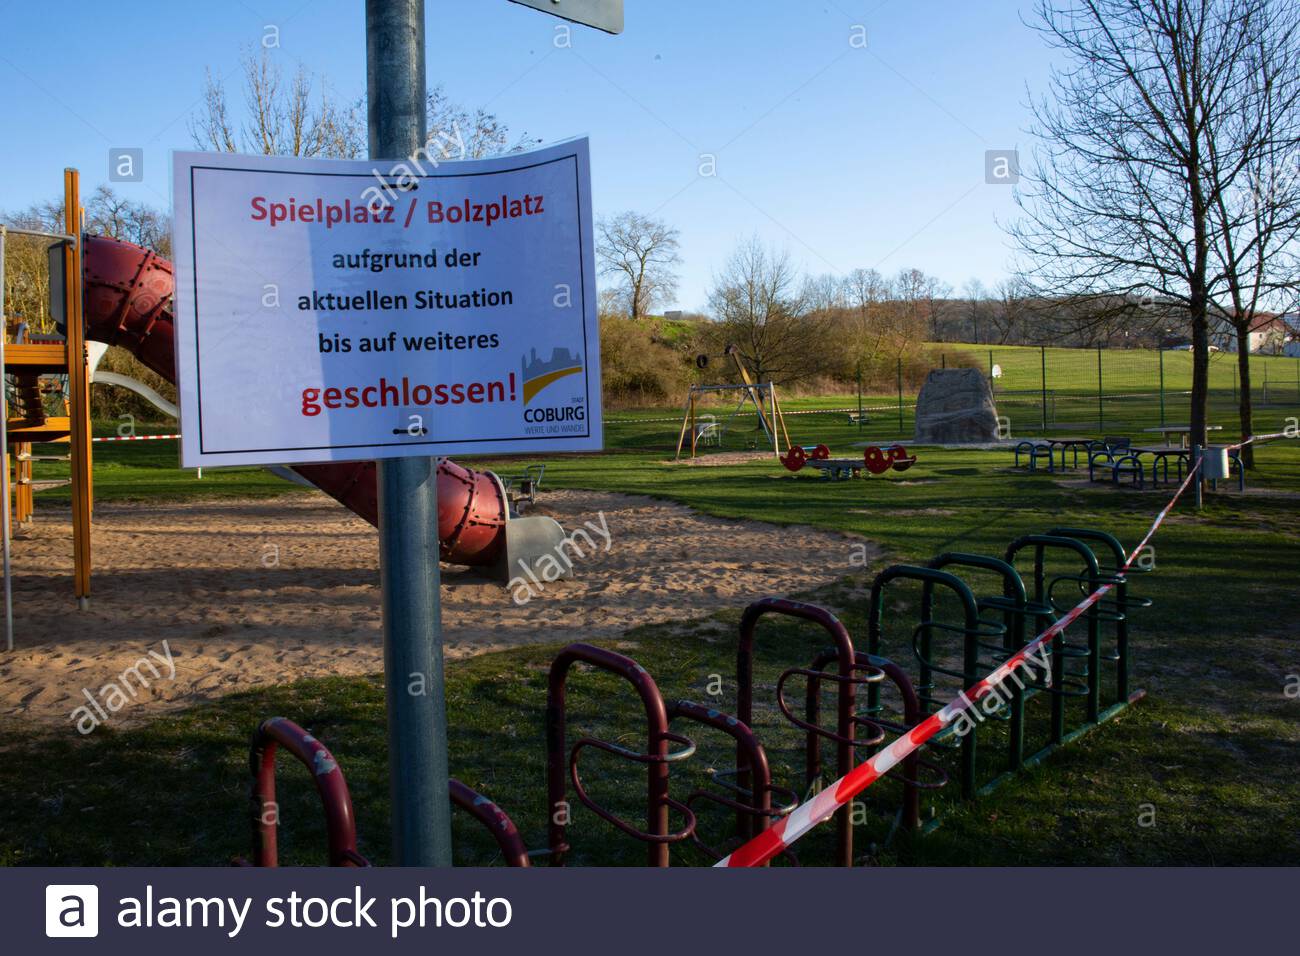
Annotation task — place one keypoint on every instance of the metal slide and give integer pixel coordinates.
(128, 302)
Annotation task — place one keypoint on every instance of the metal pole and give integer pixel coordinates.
(900, 395)
(408, 502)
(4, 447)
(1042, 352)
(1101, 405)
(1161, 353)
(859, 398)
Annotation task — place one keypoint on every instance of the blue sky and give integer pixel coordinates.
(846, 156)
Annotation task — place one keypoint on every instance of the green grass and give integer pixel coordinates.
(1213, 747)
(149, 471)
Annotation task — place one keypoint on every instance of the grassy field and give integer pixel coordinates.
(1207, 758)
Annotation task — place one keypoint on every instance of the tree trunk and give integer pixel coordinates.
(1243, 406)
(1200, 365)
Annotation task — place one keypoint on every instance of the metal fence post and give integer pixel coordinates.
(408, 502)
(859, 397)
(1101, 403)
(900, 395)
(1161, 354)
(1042, 353)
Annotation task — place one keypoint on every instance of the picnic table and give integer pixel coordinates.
(1182, 431)
(1066, 442)
(1160, 455)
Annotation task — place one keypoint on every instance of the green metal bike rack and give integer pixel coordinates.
(1063, 681)
(992, 627)
(1116, 611)
(1016, 609)
(972, 630)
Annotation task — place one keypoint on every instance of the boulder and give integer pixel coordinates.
(956, 407)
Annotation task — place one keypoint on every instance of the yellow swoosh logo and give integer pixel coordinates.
(535, 385)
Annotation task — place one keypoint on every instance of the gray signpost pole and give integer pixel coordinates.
(408, 501)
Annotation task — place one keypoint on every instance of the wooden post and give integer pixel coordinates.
(694, 434)
(78, 389)
(686, 421)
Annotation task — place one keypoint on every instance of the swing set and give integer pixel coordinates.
(705, 429)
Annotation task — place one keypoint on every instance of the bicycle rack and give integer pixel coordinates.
(753, 802)
(847, 720)
(912, 715)
(1122, 604)
(656, 757)
(971, 630)
(340, 825)
(1064, 683)
(494, 819)
(1016, 610)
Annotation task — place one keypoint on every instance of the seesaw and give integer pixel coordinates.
(875, 460)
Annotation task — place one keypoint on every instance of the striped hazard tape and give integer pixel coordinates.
(782, 834)
(136, 438)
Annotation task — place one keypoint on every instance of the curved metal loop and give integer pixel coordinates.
(495, 820)
(941, 777)
(776, 813)
(742, 809)
(340, 823)
(878, 732)
(617, 821)
(635, 755)
(926, 626)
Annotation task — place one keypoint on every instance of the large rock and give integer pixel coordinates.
(956, 407)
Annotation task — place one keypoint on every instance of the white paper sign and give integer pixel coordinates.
(330, 310)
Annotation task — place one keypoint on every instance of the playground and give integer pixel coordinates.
(1216, 697)
(383, 584)
(224, 599)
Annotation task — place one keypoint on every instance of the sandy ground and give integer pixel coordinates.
(251, 593)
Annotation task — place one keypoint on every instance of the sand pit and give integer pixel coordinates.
(252, 593)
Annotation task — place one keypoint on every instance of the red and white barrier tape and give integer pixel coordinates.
(822, 807)
(135, 438)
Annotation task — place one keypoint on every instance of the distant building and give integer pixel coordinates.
(1269, 335)
(1291, 342)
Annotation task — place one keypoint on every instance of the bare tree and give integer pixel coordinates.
(470, 134)
(26, 291)
(641, 254)
(110, 214)
(977, 309)
(281, 116)
(1138, 142)
(871, 319)
(758, 301)
(921, 299)
(1257, 224)
(1014, 307)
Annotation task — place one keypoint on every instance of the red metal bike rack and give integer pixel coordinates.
(495, 820)
(912, 715)
(847, 677)
(340, 825)
(562, 762)
(753, 802)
